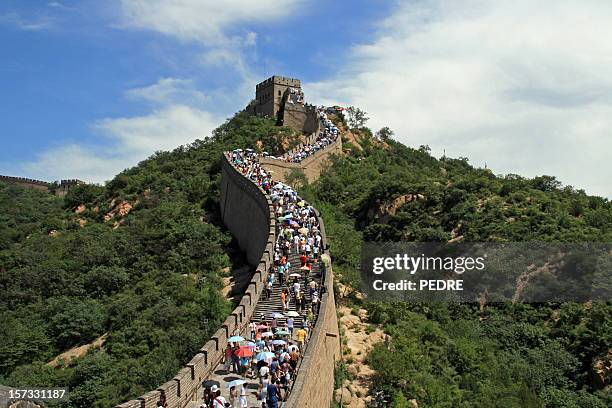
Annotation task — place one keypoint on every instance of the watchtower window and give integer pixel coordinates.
(279, 92)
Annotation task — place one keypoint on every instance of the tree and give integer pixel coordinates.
(400, 401)
(385, 134)
(356, 118)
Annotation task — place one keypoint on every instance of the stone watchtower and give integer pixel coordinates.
(282, 99)
(269, 94)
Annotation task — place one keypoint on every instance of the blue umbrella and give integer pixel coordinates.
(278, 342)
(266, 355)
(235, 339)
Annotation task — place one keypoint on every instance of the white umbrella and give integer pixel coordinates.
(292, 314)
(235, 383)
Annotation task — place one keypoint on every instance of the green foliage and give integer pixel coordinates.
(385, 133)
(355, 117)
(446, 355)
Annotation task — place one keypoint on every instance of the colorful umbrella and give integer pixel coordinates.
(244, 351)
(292, 314)
(249, 344)
(281, 333)
(235, 339)
(266, 355)
(267, 334)
(296, 275)
(279, 342)
(276, 315)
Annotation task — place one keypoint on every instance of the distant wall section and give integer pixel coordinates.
(60, 189)
(312, 166)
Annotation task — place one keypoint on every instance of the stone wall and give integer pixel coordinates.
(312, 166)
(26, 182)
(245, 210)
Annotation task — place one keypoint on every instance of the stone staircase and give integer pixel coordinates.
(273, 304)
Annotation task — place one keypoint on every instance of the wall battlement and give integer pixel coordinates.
(24, 180)
(281, 80)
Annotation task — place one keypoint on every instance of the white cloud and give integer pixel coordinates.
(75, 161)
(169, 125)
(169, 90)
(162, 129)
(522, 86)
(206, 21)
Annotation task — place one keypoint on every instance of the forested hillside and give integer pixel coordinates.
(136, 264)
(441, 355)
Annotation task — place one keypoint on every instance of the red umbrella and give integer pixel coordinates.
(244, 351)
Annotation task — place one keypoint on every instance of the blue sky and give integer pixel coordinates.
(89, 88)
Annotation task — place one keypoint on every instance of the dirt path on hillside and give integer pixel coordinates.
(360, 339)
(77, 352)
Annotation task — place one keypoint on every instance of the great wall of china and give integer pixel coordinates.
(247, 212)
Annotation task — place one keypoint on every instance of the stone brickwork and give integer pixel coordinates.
(26, 182)
(300, 117)
(269, 94)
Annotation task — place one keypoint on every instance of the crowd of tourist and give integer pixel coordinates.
(276, 343)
